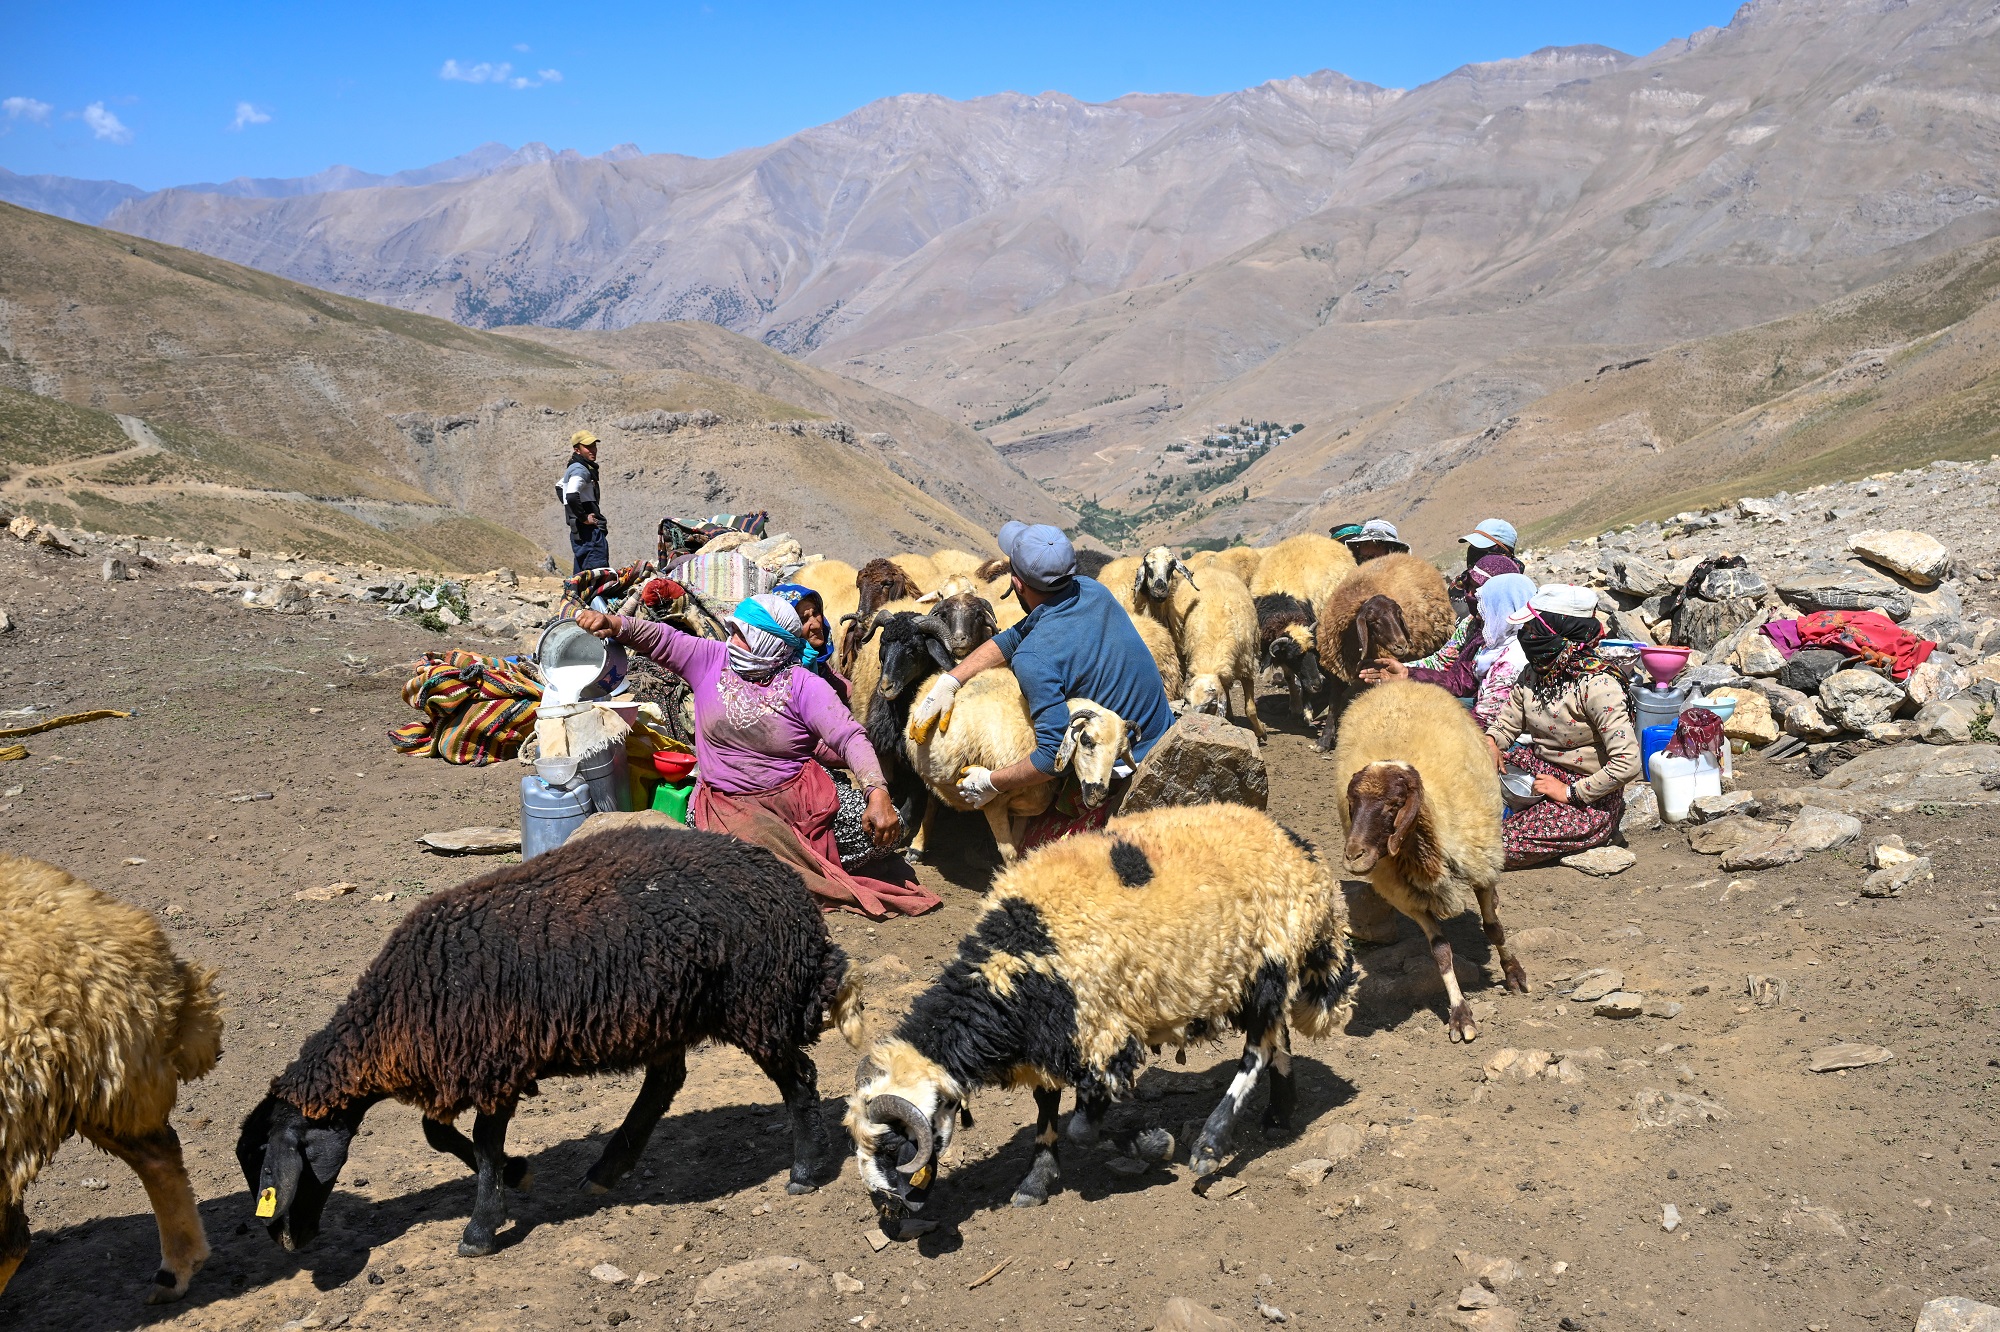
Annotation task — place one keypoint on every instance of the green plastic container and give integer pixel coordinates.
(673, 800)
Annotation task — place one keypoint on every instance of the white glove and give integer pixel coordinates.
(935, 704)
(975, 788)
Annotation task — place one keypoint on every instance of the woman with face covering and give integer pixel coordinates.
(1582, 744)
(760, 720)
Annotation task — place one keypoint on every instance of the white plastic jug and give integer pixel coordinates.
(1678, 782)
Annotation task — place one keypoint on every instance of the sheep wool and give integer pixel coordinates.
(1307, 566)
(1405, 744)
(1418, 590)
(99, 1025)
(835, 581)
(1217, 638)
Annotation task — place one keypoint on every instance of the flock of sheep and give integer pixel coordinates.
(619, 951)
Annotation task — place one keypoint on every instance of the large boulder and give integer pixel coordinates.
(1826, 585)
(1808, 667)
(1903, 777)
(1957, 1313)
(1947, 721)
(1636, 577)
(1701, 624)
(1757, 655)
(1859, 699)
(1816, 828)
(1917, 556)
(1729, 584)
(1808, 721)
(1203, 759)
(1752, 719)
(1938, 678)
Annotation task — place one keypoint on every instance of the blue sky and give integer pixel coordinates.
(163, 93)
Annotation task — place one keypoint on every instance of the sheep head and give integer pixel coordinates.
(291, 1163)
(901, 1118)
(1292, 650)
(914, 647)
(1093, 743)
(967, 619)
(1205, 693)
(1383, 802)
(1155, 579)
(1378, 630)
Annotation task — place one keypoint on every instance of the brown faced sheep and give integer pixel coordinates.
(99, 1026)
(1165, 928)
(611, 953)
(1393, 606)
(1307, 566)
(920, 569)
(1422, 818)
(878, 583)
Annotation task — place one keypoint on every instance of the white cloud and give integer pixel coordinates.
(247, 114)
(26, 108)
(105, 125)
(500, 73)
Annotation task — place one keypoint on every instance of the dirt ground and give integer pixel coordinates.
(1821, 1201)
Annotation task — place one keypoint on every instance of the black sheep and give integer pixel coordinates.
(1285, 640)
(609, 953)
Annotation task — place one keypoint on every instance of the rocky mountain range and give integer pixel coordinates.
(1404, 273)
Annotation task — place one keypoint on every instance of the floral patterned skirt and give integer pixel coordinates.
(1549, 829)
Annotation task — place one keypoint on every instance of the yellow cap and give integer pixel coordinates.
(581, 438)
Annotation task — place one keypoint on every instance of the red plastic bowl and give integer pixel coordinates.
(672, 766)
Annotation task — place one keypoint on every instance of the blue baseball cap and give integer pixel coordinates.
(1492, 532)
(1041, 555)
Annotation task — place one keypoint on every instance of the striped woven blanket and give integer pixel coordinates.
(475, 709)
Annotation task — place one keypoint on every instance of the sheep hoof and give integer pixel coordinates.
(166, 1288)
(469, 1248)
(1025, 1199)
(1463, 1028)
(1205, 1164)
(799, 1186)
(1517, 979)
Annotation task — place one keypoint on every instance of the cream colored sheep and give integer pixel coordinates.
(948, 562)
(920, 569)
(1243, 561)
(99, 1026)
(1160, 644)
(1421, 816)
(1218, 646)
(834, 580)
(1308, 566)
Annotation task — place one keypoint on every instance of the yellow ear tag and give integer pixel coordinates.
(267, 1203)
(922, 1179)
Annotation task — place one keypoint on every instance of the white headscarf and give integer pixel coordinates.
(1499, 597)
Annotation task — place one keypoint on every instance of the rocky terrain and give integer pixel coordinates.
(1407, 272)
(1752, 1086)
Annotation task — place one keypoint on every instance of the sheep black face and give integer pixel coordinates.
(968, 621)
(897, 1144)
(913, 648)
(1293, 651)
(1155, 579)
(291, 1163)
(1383, 801)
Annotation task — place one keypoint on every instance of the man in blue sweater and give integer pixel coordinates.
(1077, 642)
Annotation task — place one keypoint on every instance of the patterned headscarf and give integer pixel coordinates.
(769, 628)
(794, 595)
(1561, 650)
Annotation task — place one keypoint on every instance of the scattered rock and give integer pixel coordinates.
(1701, 624)
(252, 797)
(609, 1274)
(480, 841)
(1308, 1173)
(1947, 721)
(1891, 880)
(1766, 991)
(1477, 1297)
(1730, 584)
(1483, 1320)
(1489, 1272)
(1765, 850)
(1200, 760)
(1636, 577)
(1271, 1313)
(1848, 1055)
(1758, 655)
(325, 894)
(1859, 699)
(1227, 1187)
(1642, 809)
(1658, 1109)
(775, 1279)
(1184, 1315)
(1956, 1313)
(1725, 834)
(113, 570)
(1711, 807)
(1844, 585)
(1816, 828)
(1808, 667)
(1341, 1142)
(1916, 556)
(1937, 679)
(1662, 1008)
(1594, 984)
(1809, 721)
(1751, 720)
(1670, 1218)
(1620, 1004)
(1602, 862)
(1880, 851)
(93, 1183)
(848, 1285)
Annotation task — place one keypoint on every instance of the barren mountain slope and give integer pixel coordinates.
(1750, 172)
(475, 421)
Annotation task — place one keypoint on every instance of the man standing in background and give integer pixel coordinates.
(589, 538)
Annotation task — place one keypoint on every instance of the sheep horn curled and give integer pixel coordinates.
(895, 1110)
